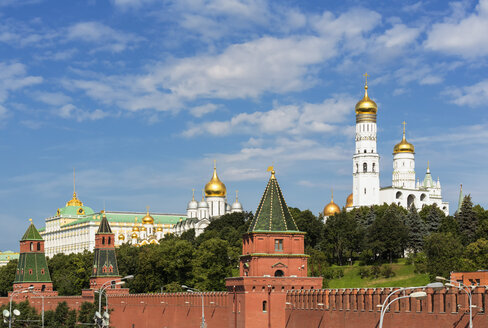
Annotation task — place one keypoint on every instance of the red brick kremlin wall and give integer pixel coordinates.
(293, 309)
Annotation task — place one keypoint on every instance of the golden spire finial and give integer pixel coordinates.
(237, 196)
(193, 194)
(271, 169)
(203, 195)
(215, 164)
(135, 220)
(428, 165)
(74, 181)
(147, 210)
(366, 85)
(30, 220)
(331, 195)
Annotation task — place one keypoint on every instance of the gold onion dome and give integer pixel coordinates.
(159, 229)
(403, 146)
(349, 201)
(331, 208)
(134, 235)
(144, 229)
(366, 105)
(121, 237)
(135, 227)
(148, 219)
(215, 187)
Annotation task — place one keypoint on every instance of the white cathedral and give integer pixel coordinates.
(406, 190)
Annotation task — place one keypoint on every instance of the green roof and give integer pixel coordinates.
(32, 267)
(74, 211)
(105, 263)
(31, 234)
(272, 214)
(127, 217)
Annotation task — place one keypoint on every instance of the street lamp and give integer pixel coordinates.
(193, 290)
(385, 305)
(416, 295)
(466, 289)
(8, 314)
(105, 320)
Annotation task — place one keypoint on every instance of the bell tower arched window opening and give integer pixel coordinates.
(365, 167)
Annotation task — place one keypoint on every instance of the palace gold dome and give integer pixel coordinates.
(349, 201)
(215, 187)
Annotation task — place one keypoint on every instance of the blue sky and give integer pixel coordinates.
(141, 96)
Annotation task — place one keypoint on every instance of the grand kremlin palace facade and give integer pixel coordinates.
(72, 229)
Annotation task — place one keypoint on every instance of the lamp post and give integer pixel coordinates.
(25, 290)
(416, 295)
(193, 290)
(466, 289)
(98, 316)
(385, 305)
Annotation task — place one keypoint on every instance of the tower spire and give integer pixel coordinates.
(366, 85)
(237, 196)
(193, 194)
(331, 195)
(404, 123)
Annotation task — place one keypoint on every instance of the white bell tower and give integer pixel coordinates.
(366, 171)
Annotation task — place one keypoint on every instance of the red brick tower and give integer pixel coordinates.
(32, 269)
(105, 262)
(272, 262)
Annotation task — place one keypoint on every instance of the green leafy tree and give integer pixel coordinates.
(388, 234)
(476, 255)
(28, 315)
(71, 273)
(7, 277)
(86, 313)
(342, 237)
(309, 223)
(212, 264)
(444, 252)
(449, 224)
(467, 221)
(416, 230)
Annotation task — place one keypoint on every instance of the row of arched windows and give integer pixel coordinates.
(365, 167)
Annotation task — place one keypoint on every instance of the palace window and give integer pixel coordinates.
(278, 245)
(265, 306)
(365, 167)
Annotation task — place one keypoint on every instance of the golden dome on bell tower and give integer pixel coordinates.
(366, 108)
(215, 187)
(331, 208)
(403, 146)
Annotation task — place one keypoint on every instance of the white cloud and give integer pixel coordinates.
(474, 95)
(398, 36)
(290, 119)
(461, 36)
(126, 4)
(70, 111)
(95, 32)
(200, 111)
(51, 98)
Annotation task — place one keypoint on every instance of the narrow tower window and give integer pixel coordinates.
(265, 306)
(365, 167)
(373, 167)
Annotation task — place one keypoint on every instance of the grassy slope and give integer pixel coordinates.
(404, 276)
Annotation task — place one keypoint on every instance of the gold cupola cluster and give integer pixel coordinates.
(331, 208)
(403, 146)
(366, 108)
(215, 187)
(349, 201)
